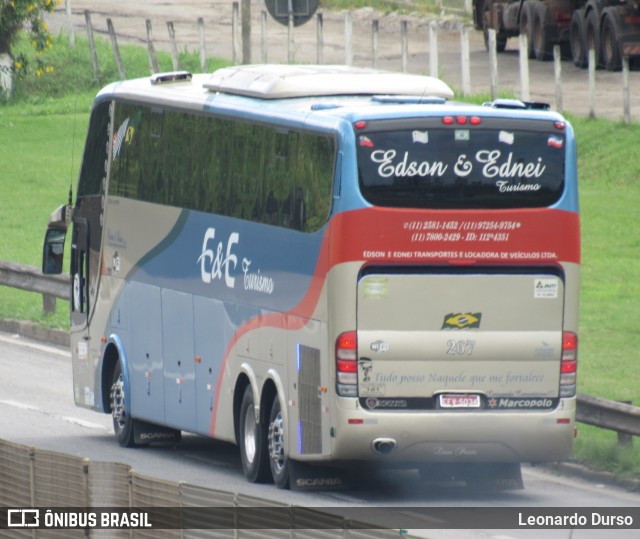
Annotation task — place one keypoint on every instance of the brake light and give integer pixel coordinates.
(559, 125)
(347, 364)
(360, 124)
(461, 120)
(569, 364)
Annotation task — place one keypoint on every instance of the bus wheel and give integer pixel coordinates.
(277, 459)
(252, 441)
(122, 422)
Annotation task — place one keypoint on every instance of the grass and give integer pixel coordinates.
(41, 139)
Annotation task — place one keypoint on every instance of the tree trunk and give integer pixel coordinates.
(6, 76)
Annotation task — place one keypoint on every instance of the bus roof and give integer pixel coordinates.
(295, 91)
(290, 81)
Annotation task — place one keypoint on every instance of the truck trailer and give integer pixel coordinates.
(610, 27)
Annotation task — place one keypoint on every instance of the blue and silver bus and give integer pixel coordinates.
(326, 266)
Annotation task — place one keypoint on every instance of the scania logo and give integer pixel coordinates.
(157, 436)
(319, 482)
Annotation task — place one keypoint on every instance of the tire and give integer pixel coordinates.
(592, 33)
(542, 45)
(252, 441)
(122, 422)
(278, 461)
(578, 40)
(501, 39)
(609, 44)
(526, 25)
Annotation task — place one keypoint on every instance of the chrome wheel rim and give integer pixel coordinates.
(276, 442)
(249, 435)
(117, 403)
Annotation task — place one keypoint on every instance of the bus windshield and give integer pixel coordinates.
(491, 165)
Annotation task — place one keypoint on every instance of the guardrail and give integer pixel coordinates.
(622, 418)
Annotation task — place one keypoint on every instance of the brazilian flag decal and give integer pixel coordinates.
(462, 321)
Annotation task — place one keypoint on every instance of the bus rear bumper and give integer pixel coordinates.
(532, 436)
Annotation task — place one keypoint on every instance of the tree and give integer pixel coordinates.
(16, 15)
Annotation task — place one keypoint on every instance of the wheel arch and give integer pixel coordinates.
(245, 378)
(272, 388)
(114, 352)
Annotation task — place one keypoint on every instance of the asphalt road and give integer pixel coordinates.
(37, 409)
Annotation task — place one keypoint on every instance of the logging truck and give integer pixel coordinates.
(610, 27)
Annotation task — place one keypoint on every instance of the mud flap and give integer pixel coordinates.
(308, 477)
(146, 433)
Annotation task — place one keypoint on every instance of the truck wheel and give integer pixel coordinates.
(542, 46)
(278, 461)
(578, 40)
(501, 39)
(252, 441)
(610, 47)
(526, 25)
(122, 422)
(592, 32)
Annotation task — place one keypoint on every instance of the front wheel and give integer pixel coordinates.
(252, 441)
(122, 421)
(278, 461)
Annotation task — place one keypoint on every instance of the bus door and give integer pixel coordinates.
(80, 272)
(87, 227)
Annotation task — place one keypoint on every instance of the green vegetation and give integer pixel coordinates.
(41, 139)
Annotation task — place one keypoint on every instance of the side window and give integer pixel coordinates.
(255, 172)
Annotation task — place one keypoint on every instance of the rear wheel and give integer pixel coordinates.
(501, 39)
(542, 45)
(592, 33)
(252, 441)
(278, 461)
(578, 40)
(122, 421)
(526, 26)
(611, 54)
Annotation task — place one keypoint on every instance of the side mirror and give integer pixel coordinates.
(53, 252)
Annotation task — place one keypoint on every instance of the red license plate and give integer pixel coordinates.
(459, 401)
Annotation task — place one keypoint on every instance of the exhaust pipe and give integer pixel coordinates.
(384, 446)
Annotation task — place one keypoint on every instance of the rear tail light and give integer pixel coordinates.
(569, 364)
(347, 364)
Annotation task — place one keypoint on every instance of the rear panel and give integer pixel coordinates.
(493, 335)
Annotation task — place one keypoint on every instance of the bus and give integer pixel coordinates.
(327, 266)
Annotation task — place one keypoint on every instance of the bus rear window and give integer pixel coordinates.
(430, 165)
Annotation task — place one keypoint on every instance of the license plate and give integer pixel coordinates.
(459, 401)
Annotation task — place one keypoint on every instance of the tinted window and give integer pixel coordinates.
(222, 166)
(491, 165)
